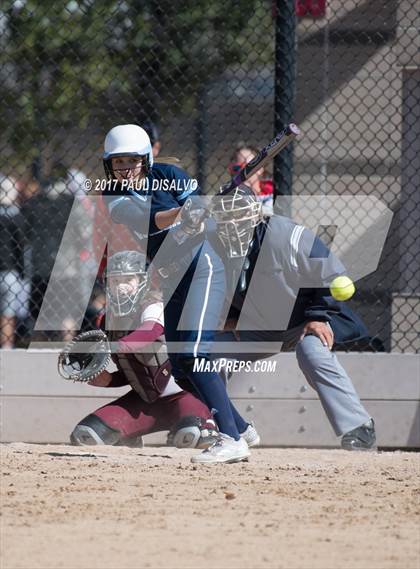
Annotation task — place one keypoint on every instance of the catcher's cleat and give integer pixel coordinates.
(225, 449)
(251, 436)
(361, 438)
(208, 435)
(193, 432)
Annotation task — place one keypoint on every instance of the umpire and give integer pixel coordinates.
(287, 302)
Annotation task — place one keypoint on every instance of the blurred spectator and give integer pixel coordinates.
(75, 180)
(258, 182)
(12, 290)
(26, 187)
(45, 214)
(153, 132)
(96, 308)
(76, 266)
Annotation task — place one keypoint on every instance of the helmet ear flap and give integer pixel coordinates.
(108, 168)
(146, 164)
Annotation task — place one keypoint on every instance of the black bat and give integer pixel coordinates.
(284, 138)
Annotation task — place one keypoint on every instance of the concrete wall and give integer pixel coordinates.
(38, 406)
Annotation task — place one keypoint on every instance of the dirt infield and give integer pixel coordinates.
(68, 507)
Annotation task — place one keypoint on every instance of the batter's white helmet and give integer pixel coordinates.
(127, 140)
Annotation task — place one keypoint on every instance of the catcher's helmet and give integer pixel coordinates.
(122, 292)
(236, 215)
(127, 140)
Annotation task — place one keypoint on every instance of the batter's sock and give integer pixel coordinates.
(240, 422)
(213, 392)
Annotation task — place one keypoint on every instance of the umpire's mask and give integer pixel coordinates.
(236, 215)
(126, 281)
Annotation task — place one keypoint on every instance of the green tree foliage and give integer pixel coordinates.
(66, 64)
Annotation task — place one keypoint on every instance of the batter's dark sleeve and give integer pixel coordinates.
(317, 265)
(172, 198)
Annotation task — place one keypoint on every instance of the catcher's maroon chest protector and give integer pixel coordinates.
(147, 370)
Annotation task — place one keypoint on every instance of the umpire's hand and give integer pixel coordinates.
(320, 329)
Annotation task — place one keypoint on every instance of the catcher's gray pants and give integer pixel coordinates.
(325, 374)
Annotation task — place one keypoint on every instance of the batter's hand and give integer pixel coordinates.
(321, 330)
(101, 380)
(193, 214)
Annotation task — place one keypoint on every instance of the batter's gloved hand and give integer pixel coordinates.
(193, 215)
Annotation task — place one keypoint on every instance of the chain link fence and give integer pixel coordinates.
(211, 81)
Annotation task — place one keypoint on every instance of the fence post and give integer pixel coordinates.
(284, 89)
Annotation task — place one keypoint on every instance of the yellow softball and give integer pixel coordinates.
(342, 288)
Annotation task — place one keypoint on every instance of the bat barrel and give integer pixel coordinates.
(283, 138)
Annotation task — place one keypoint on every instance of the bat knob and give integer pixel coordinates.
(293, 129)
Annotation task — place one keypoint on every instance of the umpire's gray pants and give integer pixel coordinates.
(322, 370)
(336, 392)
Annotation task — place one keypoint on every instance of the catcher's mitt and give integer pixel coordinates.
(85, 357)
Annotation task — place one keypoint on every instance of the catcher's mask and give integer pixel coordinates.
(127, 281)
(236, 216)
(127, 140)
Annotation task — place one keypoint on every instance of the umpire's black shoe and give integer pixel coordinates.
(361, 438)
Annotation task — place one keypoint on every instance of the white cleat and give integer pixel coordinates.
(225, 449)
(251, 436)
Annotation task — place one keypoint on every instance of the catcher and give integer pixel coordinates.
(155, 402)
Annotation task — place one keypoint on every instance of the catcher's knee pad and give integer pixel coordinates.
(193, 432)
(93, 431)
